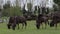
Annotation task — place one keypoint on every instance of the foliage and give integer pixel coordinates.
(57, 2)
(12, 11)
(29, 6)
(7, 5)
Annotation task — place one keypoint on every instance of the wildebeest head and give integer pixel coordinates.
(38, 26)
(52, 24)
(8, 25)
(12, 23)
(13, 26)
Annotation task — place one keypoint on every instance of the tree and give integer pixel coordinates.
(7, 5)
(6, 9)
(17, 3)
(11, 10)
(29, 5)
(35, 10)
(57, 2)
(1, 7)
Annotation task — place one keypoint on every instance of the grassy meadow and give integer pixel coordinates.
(31, 29)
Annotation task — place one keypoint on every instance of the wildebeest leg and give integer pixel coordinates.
(38, 26)
(56, 26)
(18, 26)
(22, 25)
(42, 25)
(25, 24)
(48, 22)
(45, 25)
(13, 26)
(8, 26)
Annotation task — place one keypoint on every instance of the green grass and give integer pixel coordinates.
(31, 29)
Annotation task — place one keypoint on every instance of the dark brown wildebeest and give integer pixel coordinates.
(30, 17)
(55, 19)
(34, 17)
(40, 20)
(11, 21)
(15, 21)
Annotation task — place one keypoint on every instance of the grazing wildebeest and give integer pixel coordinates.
(55, 19)
(11, 21)
(34, 17)
(30, 17)
(40, 20)
(15, 21)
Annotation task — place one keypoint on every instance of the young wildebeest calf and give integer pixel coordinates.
(15, 20)
(40, 20)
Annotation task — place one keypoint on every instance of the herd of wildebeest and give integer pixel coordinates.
(40, 19)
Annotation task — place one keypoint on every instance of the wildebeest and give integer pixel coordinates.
(55, 19)
(30, 17)
(40, 20)
(34, 17)
(15, 21)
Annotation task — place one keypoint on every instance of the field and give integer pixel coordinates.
(31, 29)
